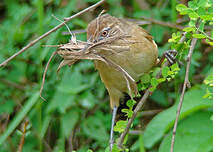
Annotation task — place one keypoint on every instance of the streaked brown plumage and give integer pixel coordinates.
(137, 60)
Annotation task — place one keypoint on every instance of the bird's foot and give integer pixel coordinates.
(170, 55)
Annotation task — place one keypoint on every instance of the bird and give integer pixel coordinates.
(132, 49)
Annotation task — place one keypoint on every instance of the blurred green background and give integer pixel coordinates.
(76, 115)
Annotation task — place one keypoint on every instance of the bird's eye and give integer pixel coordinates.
(104, 33)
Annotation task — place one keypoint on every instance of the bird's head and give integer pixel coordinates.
(104, 27)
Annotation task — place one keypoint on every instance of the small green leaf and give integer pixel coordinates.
(130, 103)
(207, 17)
(193, 5)
(211, 43)
(181, 7)
(154, 82)
(145, 78)
(128, 112)
(209, 80)
(199, 36)
(175, 67)
(189, 29)
(165, 71)
(201, 11)
(120, 126)
(115, 148)
(193, 15)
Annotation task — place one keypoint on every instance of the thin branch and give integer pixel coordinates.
(186, 84)
(49, 32)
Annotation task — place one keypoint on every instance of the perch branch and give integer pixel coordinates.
(49, 32)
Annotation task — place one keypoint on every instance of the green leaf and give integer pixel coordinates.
(207, 17)
(209, 80)
(120, 126)
(154, 82)
(160, 124)
(165, 71)
(211, 43)
(203, 3)
(193, 15)
(194, 134)
(199, 36)
(189, 29)
(131, 103)
(208, 94)
(145, 78)
(181, 7)
(201, 11)
(128, 112)
(115, 148)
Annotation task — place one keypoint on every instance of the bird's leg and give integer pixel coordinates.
(170, 56)
(111, 141)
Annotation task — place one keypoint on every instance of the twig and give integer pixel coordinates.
(186, 84)
(140, 104)
(49, 32)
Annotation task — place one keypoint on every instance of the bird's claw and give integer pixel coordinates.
(170, 55)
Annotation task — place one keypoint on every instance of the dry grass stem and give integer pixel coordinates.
(44, 75)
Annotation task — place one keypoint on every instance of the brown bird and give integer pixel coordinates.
(133, 50)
